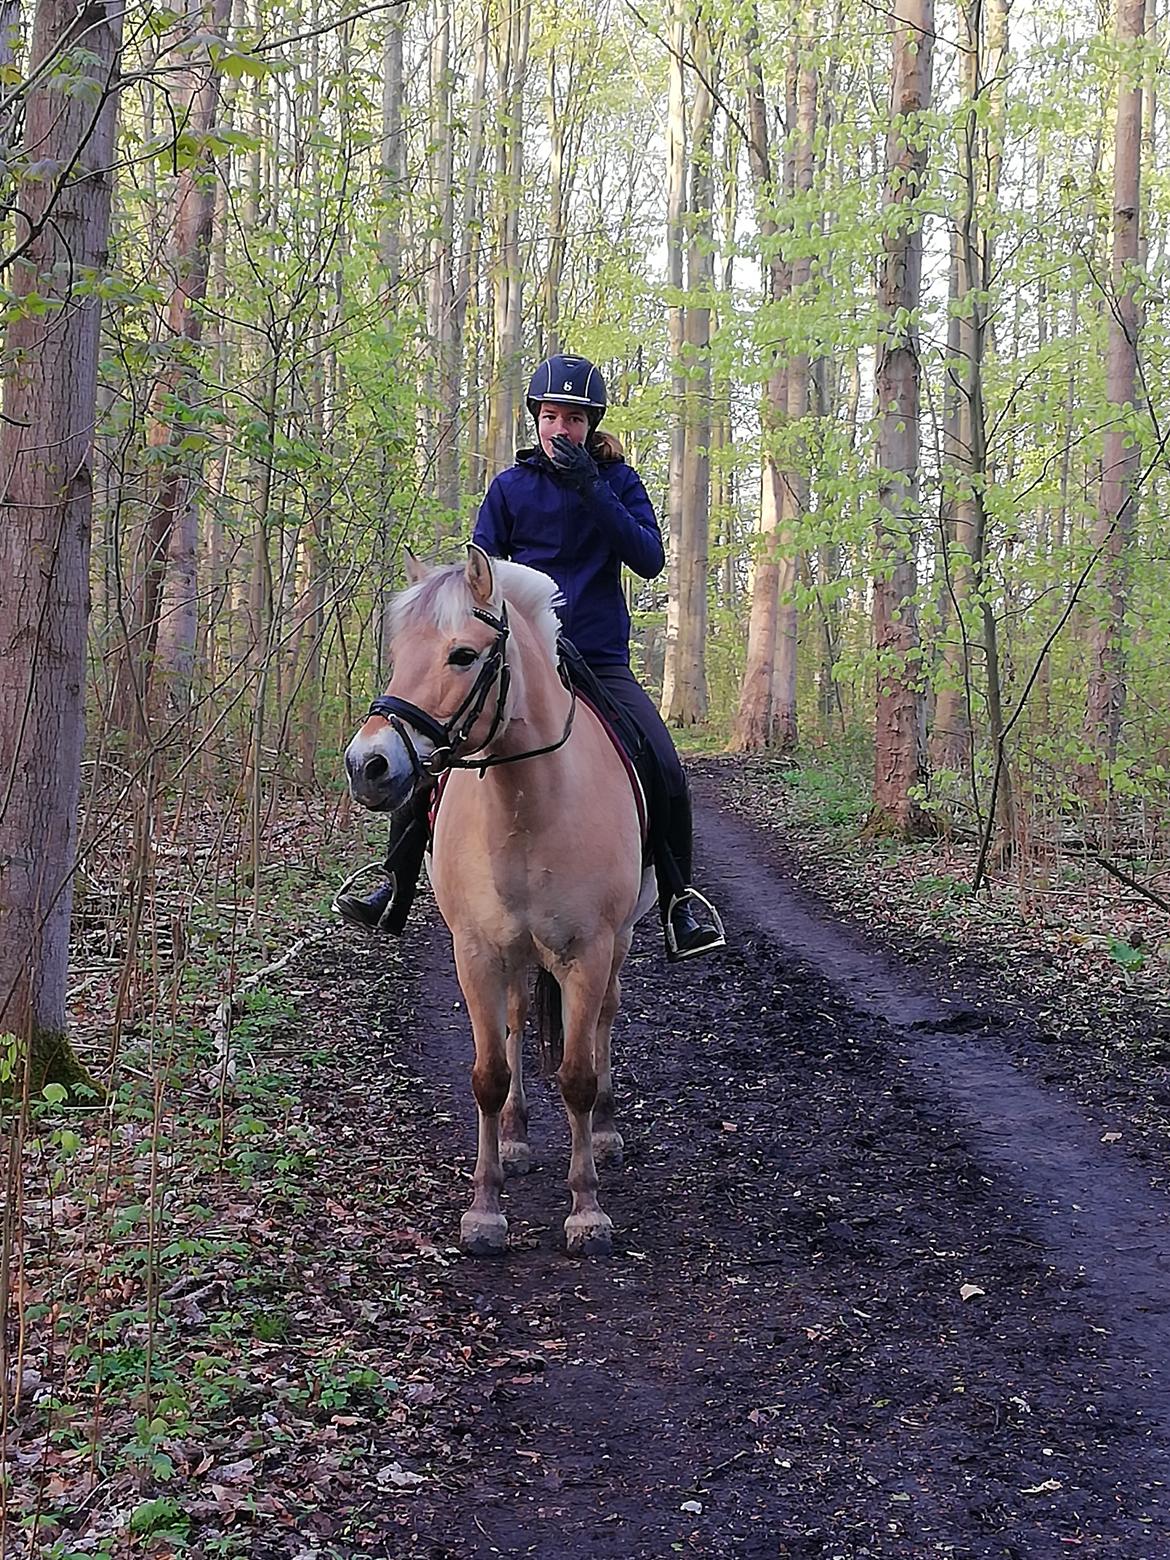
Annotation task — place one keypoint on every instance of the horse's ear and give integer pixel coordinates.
(480, 577)
(416, 572)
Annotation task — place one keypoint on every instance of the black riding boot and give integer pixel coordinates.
(690, 923)
(386, 907)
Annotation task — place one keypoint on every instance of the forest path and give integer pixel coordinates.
(874, 1292)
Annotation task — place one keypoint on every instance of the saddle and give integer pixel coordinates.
(627, 737)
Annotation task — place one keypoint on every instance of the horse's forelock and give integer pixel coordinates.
(444, 598)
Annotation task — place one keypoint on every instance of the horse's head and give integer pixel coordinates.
(449, 688)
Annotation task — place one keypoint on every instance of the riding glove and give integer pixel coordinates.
(574, 463)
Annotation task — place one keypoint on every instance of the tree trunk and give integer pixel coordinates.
(556, 213)
(442, 282)
(176, 508)
(393, 176)
(507, 405)
(950, 737)
(753, 713)
(170, 528)
(688, 689)
(899, 763)
(1121, 459)
(676, 205)
(794, 482)
(62, 226)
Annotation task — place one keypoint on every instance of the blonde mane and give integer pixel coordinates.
(444, 598)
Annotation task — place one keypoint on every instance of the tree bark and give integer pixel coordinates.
(177, 507)
(1121, 458)
(676, 206)
(61, 225)
(753, 713)
(784, 732)
(442, 281)
(899, 762)
(507, 403)
(170, 527)
(688, 683)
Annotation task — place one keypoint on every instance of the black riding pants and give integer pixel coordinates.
(671, 809)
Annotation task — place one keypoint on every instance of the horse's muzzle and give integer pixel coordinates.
(381, 776)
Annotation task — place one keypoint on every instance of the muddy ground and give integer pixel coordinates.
(876, 1291)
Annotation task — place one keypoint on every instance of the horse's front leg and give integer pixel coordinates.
(483, 1230)
(588, 1231)
(514, 1117)
(607, 1140)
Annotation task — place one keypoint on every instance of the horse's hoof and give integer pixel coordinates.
(483, 1234)
(589, 1234)
(514, 1157)
(607, 1150)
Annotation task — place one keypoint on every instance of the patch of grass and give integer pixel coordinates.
(827, 789)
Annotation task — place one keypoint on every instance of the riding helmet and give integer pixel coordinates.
(568, 381)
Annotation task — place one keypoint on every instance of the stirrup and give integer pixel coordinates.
(674, 953)
(356, 877)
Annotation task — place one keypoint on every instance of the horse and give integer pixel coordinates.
(536, 856)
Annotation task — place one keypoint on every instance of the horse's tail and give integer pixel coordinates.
(550, 1029)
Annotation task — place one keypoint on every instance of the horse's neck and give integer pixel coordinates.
(542, 702)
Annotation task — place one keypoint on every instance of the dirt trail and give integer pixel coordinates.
(779, 1361)
(1098, 1215)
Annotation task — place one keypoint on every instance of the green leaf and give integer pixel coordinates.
(1125, 954)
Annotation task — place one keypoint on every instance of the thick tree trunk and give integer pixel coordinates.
(61, 225)
(1121, 459)
(899, 762)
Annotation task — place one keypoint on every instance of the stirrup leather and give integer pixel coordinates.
(672, 947)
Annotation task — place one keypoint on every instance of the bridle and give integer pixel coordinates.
(455, 733)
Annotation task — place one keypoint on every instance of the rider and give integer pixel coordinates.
(574, 509)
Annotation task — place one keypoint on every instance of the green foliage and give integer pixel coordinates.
(1126, 955)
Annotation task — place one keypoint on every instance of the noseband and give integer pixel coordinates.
(449, 737)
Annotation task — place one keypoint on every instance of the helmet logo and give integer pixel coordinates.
(568, 384)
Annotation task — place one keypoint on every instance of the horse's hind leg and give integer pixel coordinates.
(588, 1231)
(514, 1116)
(607, 1140)
(483, 1230)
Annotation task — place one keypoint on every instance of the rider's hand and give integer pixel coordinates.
(575, 463)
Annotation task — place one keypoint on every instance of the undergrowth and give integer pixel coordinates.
(159, 1353)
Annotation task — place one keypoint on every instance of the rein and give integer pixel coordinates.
(449, 737)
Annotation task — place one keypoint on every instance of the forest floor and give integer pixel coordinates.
(890, 1268)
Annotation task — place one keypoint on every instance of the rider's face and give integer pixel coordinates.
(554, 419)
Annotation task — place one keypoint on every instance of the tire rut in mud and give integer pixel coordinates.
(781, 1339)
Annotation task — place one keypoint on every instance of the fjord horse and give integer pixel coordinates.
(536, 859)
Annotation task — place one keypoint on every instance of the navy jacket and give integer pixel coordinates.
(531, 516)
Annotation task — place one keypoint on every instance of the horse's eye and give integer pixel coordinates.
(463, 656)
